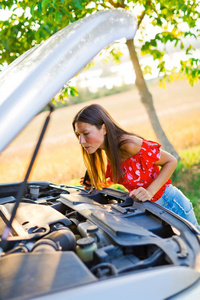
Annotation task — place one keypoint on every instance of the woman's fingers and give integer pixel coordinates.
(81, 180)
(140, 194)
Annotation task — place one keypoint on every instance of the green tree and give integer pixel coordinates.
(33, 21)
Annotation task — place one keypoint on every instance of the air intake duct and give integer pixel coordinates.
(61, 240)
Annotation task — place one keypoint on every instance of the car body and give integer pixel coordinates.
(67, 242)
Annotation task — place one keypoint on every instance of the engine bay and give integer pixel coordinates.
(85, 236)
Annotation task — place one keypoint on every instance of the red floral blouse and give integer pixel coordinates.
(140, 170)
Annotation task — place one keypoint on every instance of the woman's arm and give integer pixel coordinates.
(168, 164)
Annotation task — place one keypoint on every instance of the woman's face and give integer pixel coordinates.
(90, 137)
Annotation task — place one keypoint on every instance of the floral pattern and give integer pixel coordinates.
(140, 170)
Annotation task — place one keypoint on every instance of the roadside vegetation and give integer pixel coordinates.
(187, 176)
(81, 95)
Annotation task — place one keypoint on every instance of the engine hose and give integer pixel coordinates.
(18, 249)
(45, 245)
(98, 269)
(61, 240)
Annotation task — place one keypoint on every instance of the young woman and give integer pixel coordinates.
(112, 154)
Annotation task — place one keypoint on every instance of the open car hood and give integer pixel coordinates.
(29, 83)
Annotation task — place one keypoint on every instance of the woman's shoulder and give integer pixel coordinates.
(130, 145)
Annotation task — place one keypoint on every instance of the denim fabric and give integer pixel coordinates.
(174, 200)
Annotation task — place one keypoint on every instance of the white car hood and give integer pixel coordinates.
(29, 83)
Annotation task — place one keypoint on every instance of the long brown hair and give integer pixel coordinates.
(95, 163)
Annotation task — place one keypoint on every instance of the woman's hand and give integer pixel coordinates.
(85, 183)
(141, 194)
(108, 182)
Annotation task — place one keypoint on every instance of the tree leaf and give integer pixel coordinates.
(78, 4)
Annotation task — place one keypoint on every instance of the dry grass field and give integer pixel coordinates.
(59, 159)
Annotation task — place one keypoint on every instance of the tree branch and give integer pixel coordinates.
(141, 17)
(116, 4)
(104, 5)
(148, 3)
(122, 5)
(113, 3)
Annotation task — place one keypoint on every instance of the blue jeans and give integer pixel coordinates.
(174, 200)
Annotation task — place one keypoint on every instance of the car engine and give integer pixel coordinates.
(86, 235)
